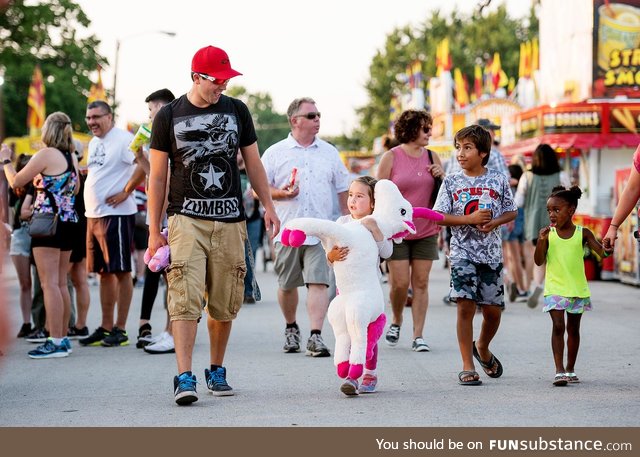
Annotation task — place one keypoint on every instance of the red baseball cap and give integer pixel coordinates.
(214, 62)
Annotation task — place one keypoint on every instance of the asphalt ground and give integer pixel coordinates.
(126, 387)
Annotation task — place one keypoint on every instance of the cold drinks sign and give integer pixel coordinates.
(616, 48)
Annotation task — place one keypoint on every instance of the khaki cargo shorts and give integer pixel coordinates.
(205, 256)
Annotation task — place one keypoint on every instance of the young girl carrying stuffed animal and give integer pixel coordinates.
(560, 245)
(361, 203)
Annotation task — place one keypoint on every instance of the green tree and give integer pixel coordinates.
(46, 33)
(473, 39)
(270, 125)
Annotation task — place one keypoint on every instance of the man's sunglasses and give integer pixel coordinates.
(95, 117)
(219, 82)
(311, 116)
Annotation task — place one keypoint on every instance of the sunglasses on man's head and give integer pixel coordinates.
(426, 129)
(311, 116)
(219, 82)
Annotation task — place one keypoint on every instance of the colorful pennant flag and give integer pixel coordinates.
(498, 76)
(462, 95)
(36, 111)
(443, 58)
(97, 92)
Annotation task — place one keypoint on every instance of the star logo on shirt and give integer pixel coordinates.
(212, 177)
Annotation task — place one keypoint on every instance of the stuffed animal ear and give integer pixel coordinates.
(426, 213)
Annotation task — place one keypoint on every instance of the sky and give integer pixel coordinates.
(287, 48)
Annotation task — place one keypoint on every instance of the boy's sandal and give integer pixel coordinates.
(560, 379)
(572, 377)
(474, 381)
(488, 366)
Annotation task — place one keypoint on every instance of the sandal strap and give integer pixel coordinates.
(466, 373)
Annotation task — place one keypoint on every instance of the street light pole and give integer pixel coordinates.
(115, 72)
(2, 125)
(118, 43)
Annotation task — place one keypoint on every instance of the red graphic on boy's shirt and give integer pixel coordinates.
(471, 207)
(475, 192)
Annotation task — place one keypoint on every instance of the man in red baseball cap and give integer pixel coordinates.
(200, 133)
(212, 61)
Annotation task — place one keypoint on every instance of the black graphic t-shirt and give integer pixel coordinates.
(202, 144)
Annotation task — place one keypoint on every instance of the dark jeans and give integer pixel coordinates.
(254, 232)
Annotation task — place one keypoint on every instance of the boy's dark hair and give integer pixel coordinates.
(515, 171)
(162, 95)
(479, 136)
(369, 181)
(407, 127)
(570, 196)
(544, 161)
(22, 161)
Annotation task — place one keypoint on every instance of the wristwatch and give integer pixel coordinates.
(6, 161)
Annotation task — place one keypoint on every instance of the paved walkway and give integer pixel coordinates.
(127, 387)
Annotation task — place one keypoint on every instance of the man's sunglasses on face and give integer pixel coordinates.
(311, 116)
(219, 82)
(95, 117)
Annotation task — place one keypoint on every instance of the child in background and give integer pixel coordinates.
(361, 204)
(560, 245)
(476, 247)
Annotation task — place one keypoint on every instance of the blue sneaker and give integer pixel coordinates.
(66, 342)
(49, 351)
(217, 382)
(184, 387)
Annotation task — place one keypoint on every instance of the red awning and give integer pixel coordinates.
(573, 141)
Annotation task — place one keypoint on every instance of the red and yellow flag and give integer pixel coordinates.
(498, 76)
(443, 58)
(36, 111)
(462, 94)
(97, 92)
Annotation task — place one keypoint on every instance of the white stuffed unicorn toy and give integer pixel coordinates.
(356, 314)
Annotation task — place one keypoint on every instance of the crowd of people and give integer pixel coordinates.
(203, 179)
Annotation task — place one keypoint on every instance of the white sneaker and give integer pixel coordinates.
(419, 345)
(159, 337)
(163, 346)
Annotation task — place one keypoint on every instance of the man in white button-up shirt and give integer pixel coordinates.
(306, 192)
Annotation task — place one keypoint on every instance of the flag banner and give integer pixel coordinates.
(36, 111)
(97, 92)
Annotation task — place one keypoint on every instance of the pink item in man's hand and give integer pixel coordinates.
(292, 179)
(161, 259)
